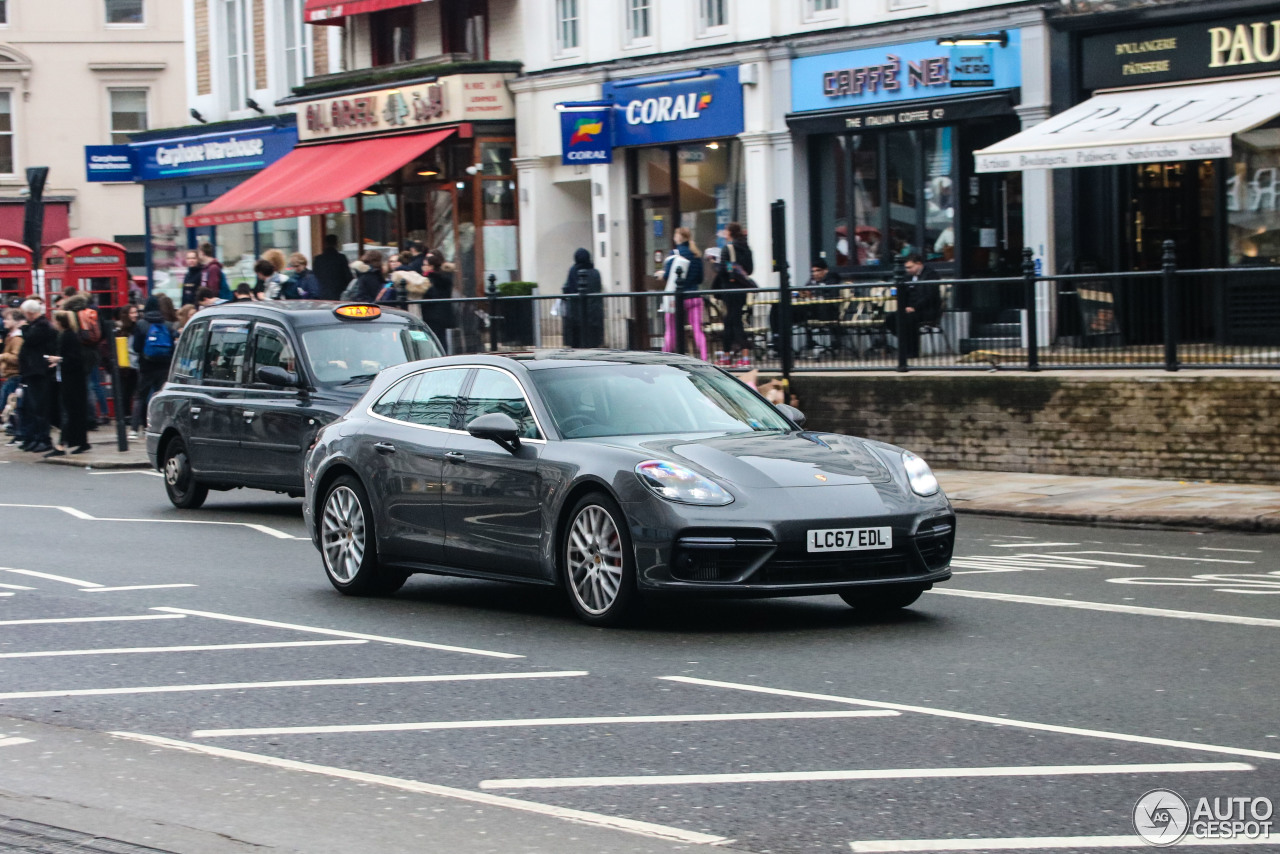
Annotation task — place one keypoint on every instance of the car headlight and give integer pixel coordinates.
(919, 474)
(676, 483)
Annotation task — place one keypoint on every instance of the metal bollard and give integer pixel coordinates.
(1033, 321)
(580, 311)
(1169, 279)
(492, 292)
(901, 320)
(680, 313)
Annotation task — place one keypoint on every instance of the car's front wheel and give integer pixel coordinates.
(599, 567)
(884, 599)
(179, 480)
(348, 545)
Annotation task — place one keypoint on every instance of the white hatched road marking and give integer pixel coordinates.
(56, 653)
(131, 471)
(6, 594)
(644, 828)
(1241, 551)
(1249, 583)
(13, 741)
(15, 587)
(50, 620)
(337, 633)
(1107, 606)
(133, 587)
(1162, 557)
(83, 516)
(1030, 545)
(427, 726)
(1037, 843)
(986, 719)
(49, 576)
(979, 564)
(295, 683)
(862, 774)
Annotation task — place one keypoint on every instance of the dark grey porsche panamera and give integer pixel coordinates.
(615, 474)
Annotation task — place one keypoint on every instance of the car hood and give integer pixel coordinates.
(765, 460)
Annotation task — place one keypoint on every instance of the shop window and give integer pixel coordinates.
(566, 25)
(820, 9)
(297, 45)
(495, 158)
(6, 133)
(499, 200)
(236, 39)
(168, 244)
(638, 26)
(124, 11)
(128, 114)
(343, 225)
(713, 16)
(236, 251)
(381, 226)
(391, 34)
(708, 188)
(1253, 198)
(464, 26)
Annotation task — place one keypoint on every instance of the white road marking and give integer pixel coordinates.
(13, 741)
(1107, 606)
(1249, 583)
(48, 620)
(1163, 557)
(295, 683)
(1029, 545)
(985, 719)
(50, 577)
(133, 587)
(1241, 551)
(861, 774)
(15, 587)
(132, 471)
(54, 653)
(6, 594)
(80, 514)
(336, 633)
(1037, 843)
(427, 726)
(644, 828)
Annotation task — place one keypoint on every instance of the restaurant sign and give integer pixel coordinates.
(448, 100)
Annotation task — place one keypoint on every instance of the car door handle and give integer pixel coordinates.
(384, 447)
(455, 457)
(249, 414)
(195, 410)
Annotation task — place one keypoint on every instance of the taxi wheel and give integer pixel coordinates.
(348, 543)
(883, 599)
(599, 566)
(179, 481)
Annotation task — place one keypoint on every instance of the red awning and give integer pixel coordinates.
(316, 179)
(333, 11)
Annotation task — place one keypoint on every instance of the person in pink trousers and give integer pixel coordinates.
(686, 259)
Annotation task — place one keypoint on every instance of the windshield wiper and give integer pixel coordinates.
(360, 378)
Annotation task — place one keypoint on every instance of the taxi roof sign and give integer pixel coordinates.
(358, 312)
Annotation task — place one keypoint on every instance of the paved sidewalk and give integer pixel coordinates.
(103, 454)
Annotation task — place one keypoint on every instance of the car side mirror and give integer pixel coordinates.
(795, 415)
(497, 427)
(277, 377)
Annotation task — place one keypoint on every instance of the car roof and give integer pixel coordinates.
(535, 360)
(299, 312)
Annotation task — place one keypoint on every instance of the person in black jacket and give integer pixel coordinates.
(734, 255)
(921, 301)
(153, 369)
(70, 370)
(38, 341)
(414, 257)
(438, 315)
(332, 269)
(191, 281)
(583, 277)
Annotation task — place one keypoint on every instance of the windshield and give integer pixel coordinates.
(339, 353)
(633, 400)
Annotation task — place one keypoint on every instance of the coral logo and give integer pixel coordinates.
(586, 130)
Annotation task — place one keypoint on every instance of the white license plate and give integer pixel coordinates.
(849, 539)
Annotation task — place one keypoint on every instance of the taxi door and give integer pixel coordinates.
(276, 422)
(216, 411)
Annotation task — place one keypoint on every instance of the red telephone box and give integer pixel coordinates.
(94, 266)
(15, 271)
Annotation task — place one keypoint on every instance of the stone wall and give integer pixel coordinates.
(1186, 426)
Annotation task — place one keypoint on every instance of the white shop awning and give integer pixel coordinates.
(1192, 122)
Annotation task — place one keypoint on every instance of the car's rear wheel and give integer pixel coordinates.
(883, 599)
(179, 480)
(599, 567)
(348, 545)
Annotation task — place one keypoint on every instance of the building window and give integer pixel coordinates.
(124, 11)
(638, 20)
(820, 8)
(6, 134)
(296, 44)
(4, 11)
(391, 34)
(566, 25)
(237, 61)
(712, 15)
(464, 26)
(128, 114)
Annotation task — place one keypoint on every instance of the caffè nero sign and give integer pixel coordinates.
(448, 100)
(1215, 48)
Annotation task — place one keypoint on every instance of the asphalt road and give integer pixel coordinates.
(1062, 674)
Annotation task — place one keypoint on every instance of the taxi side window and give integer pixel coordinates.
(186, 362)
(225, 356)
(427, 399)
(496, 391)
(271, 349)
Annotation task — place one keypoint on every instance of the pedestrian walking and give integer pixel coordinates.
(89, 331)
(10, 375)
(687, 259)
(273, 287)
(69, 370)
(369, 281)
(154, 339)
(213, 276)
(583, 278)
(733, 272)
(921, 301)
(332, 269)
(192, 279)
(38, 341)
(437, 313)
(128, 323)
(302, 283)
(414, 257)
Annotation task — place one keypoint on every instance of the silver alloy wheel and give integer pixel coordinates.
(174, 468)
(594, 558)
(342, 534)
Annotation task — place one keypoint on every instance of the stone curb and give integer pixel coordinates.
(1268, 523)
(81, 462)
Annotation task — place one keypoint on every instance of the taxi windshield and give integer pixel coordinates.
(357, 351)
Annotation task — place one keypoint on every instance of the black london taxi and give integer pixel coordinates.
(252, 382)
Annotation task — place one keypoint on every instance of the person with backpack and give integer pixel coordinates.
(213, 277)
(154, 338)
(733, 272)
(687, 258)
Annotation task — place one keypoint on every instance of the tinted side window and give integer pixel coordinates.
(224, 357)
(496, 391)
(427, 399)
(271, 349)
(186, 363)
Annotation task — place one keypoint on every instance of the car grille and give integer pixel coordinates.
(834, 568)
